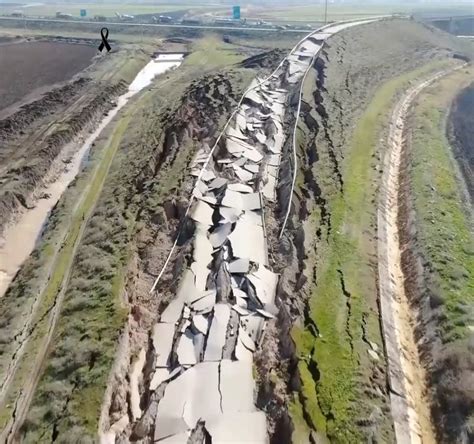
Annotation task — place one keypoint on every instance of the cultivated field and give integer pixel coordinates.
(29, 68)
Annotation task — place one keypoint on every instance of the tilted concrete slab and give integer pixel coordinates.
(248, 241)
(218, 182)
(201, 272)
(240, 187)
(202, 213)
(253, 154)
(220, 234)
(162, 337)
(239, 266)
(206, 302)
(217, 333)
(243, 175)
(201, 323)
(180, 438)
(202, 251)
(173, 311)
(169, 427)
(244, 427)
(236, 386)
(252, 168)
(251, 201)
(229, 214)
(254, 326)
(185, 350)
(246, 340)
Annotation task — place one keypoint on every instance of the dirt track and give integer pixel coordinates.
(409, 393)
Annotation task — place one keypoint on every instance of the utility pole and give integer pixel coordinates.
(326, 13)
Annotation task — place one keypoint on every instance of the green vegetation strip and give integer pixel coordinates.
(338, 352)
(444, 223)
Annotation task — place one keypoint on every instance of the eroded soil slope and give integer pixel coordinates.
(125, 242)
(437, 239)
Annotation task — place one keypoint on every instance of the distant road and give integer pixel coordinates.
(152, 25)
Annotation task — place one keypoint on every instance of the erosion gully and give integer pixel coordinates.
(193, 381)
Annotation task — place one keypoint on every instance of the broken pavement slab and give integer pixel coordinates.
(242, 427)
(217, 333)
(248, 242)
(202, 213)
(162, 337)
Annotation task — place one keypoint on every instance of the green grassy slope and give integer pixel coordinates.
(445, 241)
(339, 351)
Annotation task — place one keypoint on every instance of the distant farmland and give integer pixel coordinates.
(30, 66)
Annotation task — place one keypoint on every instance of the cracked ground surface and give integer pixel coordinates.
(252, 220)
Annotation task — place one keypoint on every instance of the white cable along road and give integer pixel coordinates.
(212, 152)
(339, 26)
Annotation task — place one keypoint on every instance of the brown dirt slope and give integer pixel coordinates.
(34, 135)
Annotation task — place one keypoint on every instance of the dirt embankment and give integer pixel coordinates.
(461, 134)
(164, 186)
(322, 357)
(203, 110)
(448, 361)
(410, 398)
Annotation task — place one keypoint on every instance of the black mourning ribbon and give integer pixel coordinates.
(104, 43)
